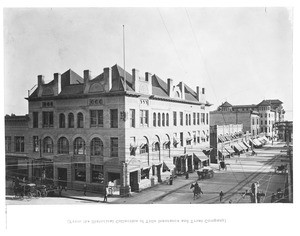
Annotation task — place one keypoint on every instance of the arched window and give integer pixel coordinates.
(62, 121)
(63, 146)
(79, 146)
(79, 120)
(96, 147)
(189, 119)
(167, 119)
(163, 119)
(71, 120)
(186, 119)
(158, 119)
(154, 119)
(47, 145)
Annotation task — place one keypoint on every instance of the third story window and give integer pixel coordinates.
(114, 147)
(96, 118)
(47, 119)
(114, 118)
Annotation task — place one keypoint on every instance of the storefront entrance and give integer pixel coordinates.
(62, 176)
(134, 181)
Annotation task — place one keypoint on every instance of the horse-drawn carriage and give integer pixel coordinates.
(28, 190)
(205, 173)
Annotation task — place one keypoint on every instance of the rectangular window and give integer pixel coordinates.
(266, 129)
(7, 144)
(195, 137)
(181, 139)
(114, 147)
(97, 174)
(207, 118)
(114, 118)
(194, 118)
(47, 119)
(19, 144)
(266, 122)
(132, 117)
(181, 118)
(174, 118)
(80, 172)
(36, 145)
(35, 116)
(202, 118)
(198, 118)
(96, 118)
(144, 118)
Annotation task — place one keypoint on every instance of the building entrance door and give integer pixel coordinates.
(62, 176)
(134, 181)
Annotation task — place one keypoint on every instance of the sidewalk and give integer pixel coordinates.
(146, 196)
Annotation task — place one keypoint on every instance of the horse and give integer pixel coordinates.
(196, 190)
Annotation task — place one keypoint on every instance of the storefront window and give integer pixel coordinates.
(97, 174)
(80, 172)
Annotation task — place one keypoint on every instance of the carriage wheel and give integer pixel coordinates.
(29, 195)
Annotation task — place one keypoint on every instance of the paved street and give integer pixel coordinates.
(240, 174)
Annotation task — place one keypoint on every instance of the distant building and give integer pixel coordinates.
(16, 146)
(125, 130)
(256, 119)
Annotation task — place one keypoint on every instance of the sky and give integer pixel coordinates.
(240, 55)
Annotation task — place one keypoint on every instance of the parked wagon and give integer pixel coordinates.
(205, 173)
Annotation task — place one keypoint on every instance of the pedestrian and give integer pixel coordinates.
(187, 175)
(59, 190)
(105, 194)
(230, 201)
(171, 180)
(221, 194)
(273, 198)
(84, 189)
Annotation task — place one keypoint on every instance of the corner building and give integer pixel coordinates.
(118, 129)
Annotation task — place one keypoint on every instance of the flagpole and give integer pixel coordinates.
(124, 75)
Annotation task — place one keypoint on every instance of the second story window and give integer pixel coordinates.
(71, 120)
(96, 118)
(198, 118)
(158, 119)
(163, 119)
(79, 146)
(174, 118)
(114, 118)
(167, 119)
(35, 116)
(181, 118)
(144, 118)
(63, 146)
(194, 118)
(190, 120)
(132, 117)
(47, 145)
(207, 118)
(154, 119)
(47, 119)
(7, 144)
(19, 144)
(62, 120)
(96, 147)
(36, 144)
(202, 118)
(186, 119)
(79, 120)
(114, 146)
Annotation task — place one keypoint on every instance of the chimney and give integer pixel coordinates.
(135, 80)
(198, 93)
(41, 80)
(148, 78)
(170, 87)
(107, 79)
(87, 75)
(57, 83)
(202, 97)
(181, 86)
